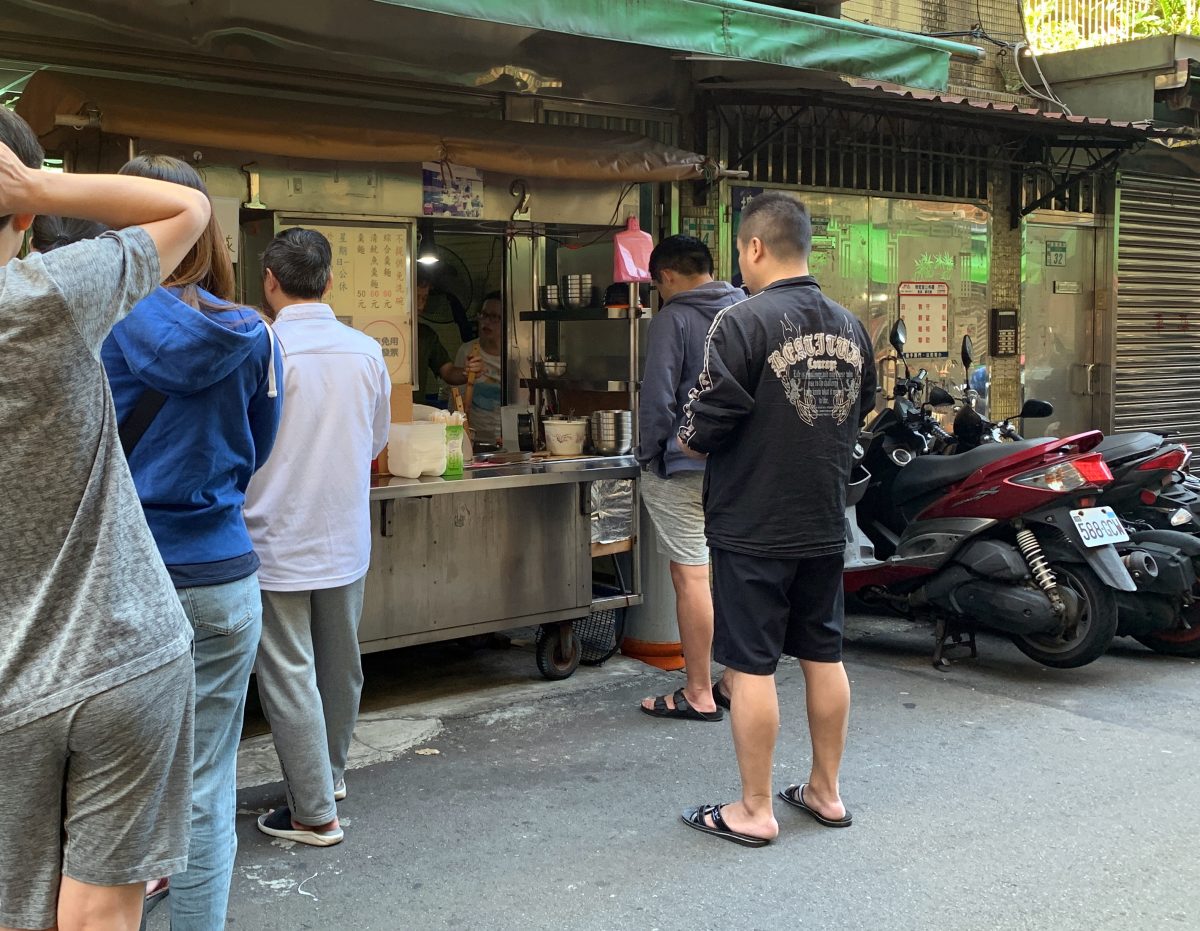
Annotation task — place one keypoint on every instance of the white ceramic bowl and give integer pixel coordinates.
(565, 437)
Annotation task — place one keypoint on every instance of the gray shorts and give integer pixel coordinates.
(676, 506)
(99, 791)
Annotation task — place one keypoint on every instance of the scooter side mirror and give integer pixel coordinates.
(898, 337)
(1036, 409)
(968, 352)
(939, 397)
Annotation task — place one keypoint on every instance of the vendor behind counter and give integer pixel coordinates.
(435, 322)
(486, 394)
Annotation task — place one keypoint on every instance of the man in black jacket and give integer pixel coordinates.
(788, 380)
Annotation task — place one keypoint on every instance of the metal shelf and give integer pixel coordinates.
(567, 384)
(608, 549)
(612, 602)
(571, 316)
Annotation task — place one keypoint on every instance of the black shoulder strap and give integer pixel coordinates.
(135, 425)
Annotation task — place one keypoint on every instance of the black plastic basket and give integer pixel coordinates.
(601, 631)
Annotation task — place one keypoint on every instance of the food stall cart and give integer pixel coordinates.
(503, 546)
(498, 548)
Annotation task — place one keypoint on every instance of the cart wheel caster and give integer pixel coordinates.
(558, 650)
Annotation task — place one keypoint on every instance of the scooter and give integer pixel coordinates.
(1149, 495)
(1005, 537)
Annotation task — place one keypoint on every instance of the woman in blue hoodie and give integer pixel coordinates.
(194, 379)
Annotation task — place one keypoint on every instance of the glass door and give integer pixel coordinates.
(1058, 285)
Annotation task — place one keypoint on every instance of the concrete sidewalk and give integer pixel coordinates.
(999, 795)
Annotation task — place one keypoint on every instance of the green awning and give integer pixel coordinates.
(734, 29)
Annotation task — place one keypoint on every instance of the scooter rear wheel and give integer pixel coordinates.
(1094, 631)
(1179, 642)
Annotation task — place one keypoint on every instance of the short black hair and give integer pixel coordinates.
(686, 255)
(493, 296)
(300, 260)
(17, 135)
(780, 222)
(50, 232)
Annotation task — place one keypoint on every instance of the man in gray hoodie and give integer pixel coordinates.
(673, 481)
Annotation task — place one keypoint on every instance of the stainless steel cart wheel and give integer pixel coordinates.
(558, 650)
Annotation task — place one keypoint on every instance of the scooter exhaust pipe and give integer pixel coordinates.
(1141, 565)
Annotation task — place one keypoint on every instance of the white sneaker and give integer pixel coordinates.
(339, 790)
(278, 823)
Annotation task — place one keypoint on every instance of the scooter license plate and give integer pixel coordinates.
(1099, 526)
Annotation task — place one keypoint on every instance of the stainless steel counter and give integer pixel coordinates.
(500, 547)
(523, 475)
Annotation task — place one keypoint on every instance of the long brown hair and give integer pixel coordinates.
(207, 264)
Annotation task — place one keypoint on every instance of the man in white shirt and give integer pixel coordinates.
(308, 515)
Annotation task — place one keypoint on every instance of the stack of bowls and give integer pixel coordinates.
(550, 299)
(612, 432)
(576, 291)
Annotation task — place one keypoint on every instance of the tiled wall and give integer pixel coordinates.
(994, 78)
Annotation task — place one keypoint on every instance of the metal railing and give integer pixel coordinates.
(1062, 25)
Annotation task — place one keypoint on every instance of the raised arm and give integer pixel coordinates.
(173, 215)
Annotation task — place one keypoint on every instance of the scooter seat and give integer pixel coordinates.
(1122, 446)
(926, 474)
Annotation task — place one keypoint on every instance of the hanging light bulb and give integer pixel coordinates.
(426, 246)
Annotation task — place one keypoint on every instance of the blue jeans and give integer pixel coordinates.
(228, 623)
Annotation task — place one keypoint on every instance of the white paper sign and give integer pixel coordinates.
(925, 310)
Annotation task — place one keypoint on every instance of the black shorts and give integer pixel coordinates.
(768, 607)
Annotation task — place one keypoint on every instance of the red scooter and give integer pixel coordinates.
(1005, 537)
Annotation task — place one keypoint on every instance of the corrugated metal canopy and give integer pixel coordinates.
(1036, 120)
(56, 103)
(736, 30)
(763, 83)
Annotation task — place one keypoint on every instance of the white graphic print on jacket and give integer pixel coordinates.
(821, 372)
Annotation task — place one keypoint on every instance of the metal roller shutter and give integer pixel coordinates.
(1157, 364)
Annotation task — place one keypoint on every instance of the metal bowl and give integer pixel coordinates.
(612, 422)
(612, 449)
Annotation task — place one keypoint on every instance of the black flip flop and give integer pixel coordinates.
(794, 796)
(682, 709)
(694, 818)
(721, 698)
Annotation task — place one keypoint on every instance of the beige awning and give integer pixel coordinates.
(56, 104)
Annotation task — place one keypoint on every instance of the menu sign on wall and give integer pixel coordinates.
(371, 290)
(925, 310)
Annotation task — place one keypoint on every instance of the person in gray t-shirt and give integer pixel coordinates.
(95, 686)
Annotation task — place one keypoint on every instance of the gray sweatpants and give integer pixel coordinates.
(309, 681)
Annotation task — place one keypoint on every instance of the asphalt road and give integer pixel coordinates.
(998, 795)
